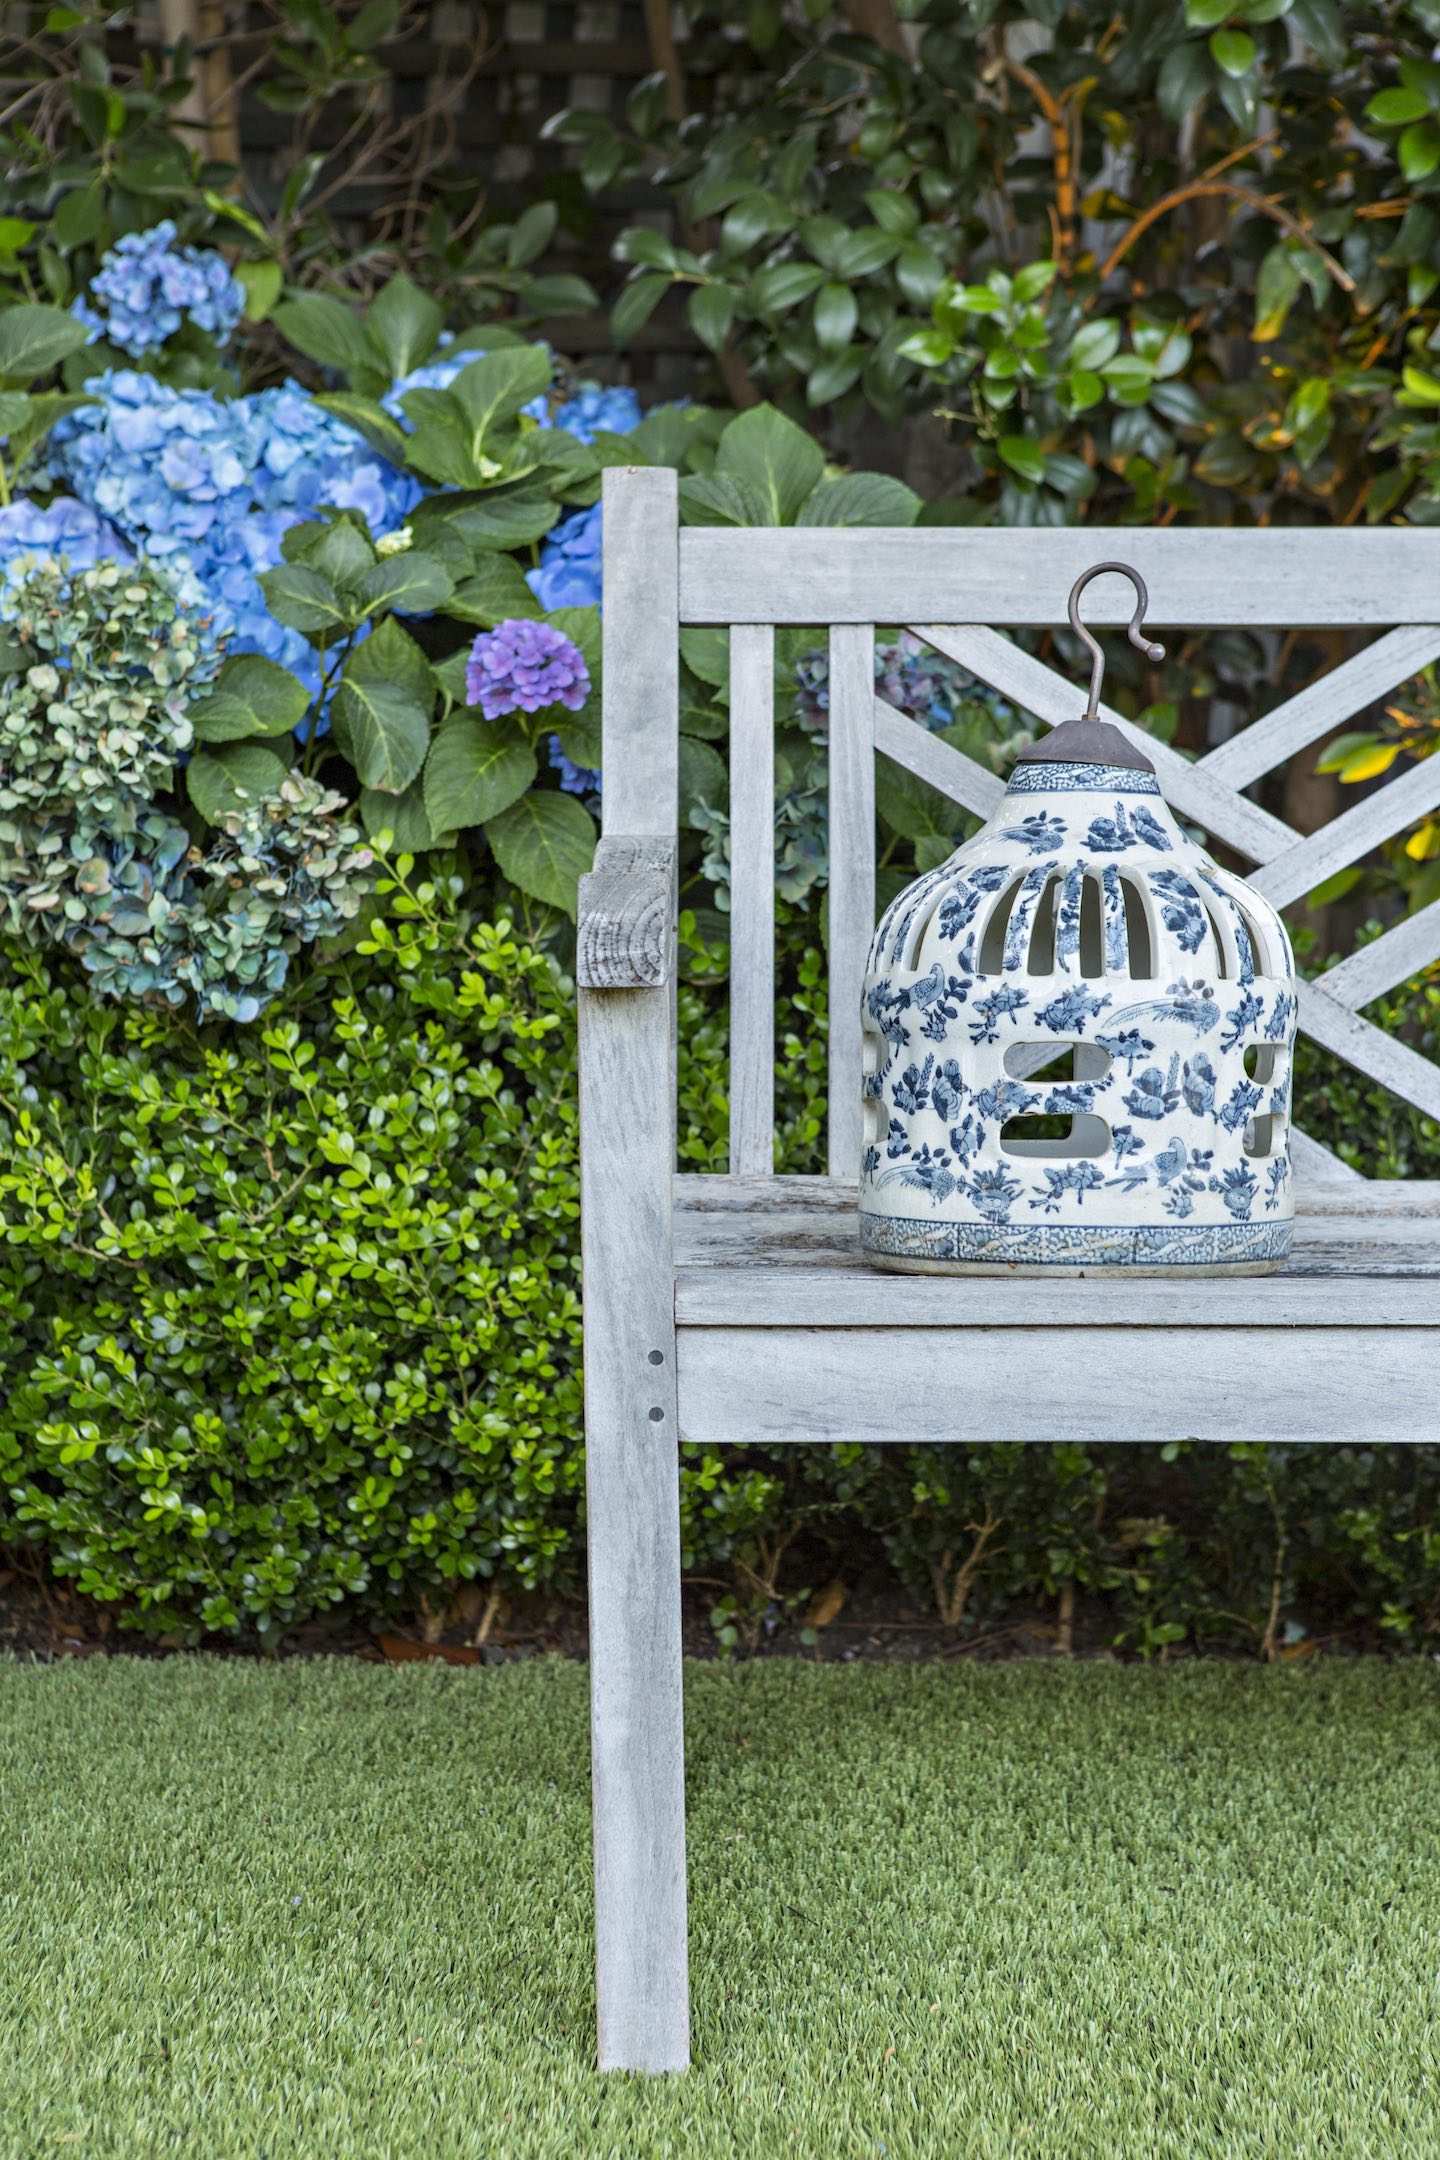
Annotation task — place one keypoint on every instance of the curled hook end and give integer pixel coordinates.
(1154, 652)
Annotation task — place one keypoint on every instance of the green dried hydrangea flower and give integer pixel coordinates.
(97, 670)
(102, 665)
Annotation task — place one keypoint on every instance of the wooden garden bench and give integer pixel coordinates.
(736, 1309)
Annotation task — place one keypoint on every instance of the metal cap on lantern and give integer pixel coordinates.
(1078, 1033)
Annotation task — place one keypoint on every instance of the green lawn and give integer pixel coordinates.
(342, 1910)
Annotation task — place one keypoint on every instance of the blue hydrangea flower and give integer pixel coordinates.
(149, 286)
(69, 530)
(207, 487)
(437, 373)
(569, 571)
(574, 779)
(523, 666)
(593, 410)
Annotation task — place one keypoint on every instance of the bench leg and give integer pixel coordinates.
(637, 1749)
(633, 1509)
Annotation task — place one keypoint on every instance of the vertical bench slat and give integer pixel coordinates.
(752, 900)
(640, 633)
(852, 876)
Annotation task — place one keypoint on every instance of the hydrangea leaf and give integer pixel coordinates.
(509, 518)
(582, 626)
(342, 554)
(253, 696)
(382, 709)
(860, 499)
(703, 778)
(34, 339)
(404, 817)
(324, 329)
(225, 779)
(301, 598)
(411, 584)
(544, 843)
(770, 454)
(496, 593)
(405, 323)
(473, 772)
(719, 499)
(369, 419)
(490, 392)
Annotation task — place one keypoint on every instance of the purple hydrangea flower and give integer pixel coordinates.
(523, 666)
(574, 779)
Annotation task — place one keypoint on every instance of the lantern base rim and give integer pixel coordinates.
(913, 1246)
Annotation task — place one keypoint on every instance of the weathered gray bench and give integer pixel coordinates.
(737, 1309)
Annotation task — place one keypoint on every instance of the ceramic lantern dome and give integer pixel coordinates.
(1078, 1035)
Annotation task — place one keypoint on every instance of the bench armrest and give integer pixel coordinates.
(625, 937)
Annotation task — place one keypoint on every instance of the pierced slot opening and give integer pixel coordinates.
(1092, 929)
(1041, 957)
(1261, 1134)
(1057, 1120)
(1223, 969)
(1260, 1061)
(1137, 934)
(992, 943)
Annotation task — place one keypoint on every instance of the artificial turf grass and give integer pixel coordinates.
(337, 1909)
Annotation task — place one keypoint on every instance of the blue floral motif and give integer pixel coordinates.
(967, 1138)
(958, 908)
(930, 1171)
(993, 1193)
(912, 1089)
(1278, 1026)
(1067, 920)
(948, 1090)
(1111, 836)
(1125, 1141)
(1275, 1177)
(1017, 930)
(1244, 1100)
(1129, 1045)
(885, 1007)
(1001, 1004)
(1069, 1012)
(1005, 1099)
(1040, 832)
(897, 1141)
(939, 996)
(1074, 1099)
(1237, 1188)
(1076, 1177)
(869, 1163)
(1155, 1094)
(1239, 1023)
(1197, 1085)
(1180, 908)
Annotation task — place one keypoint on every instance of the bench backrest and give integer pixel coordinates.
(959, 589)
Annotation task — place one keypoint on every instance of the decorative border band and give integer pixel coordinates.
(908, 1237)
(1042, 779)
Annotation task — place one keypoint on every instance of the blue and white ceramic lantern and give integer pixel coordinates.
(1078, 1036)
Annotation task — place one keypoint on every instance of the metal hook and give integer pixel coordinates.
(1141, 644)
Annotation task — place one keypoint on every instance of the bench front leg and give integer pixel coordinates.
(625, 959)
